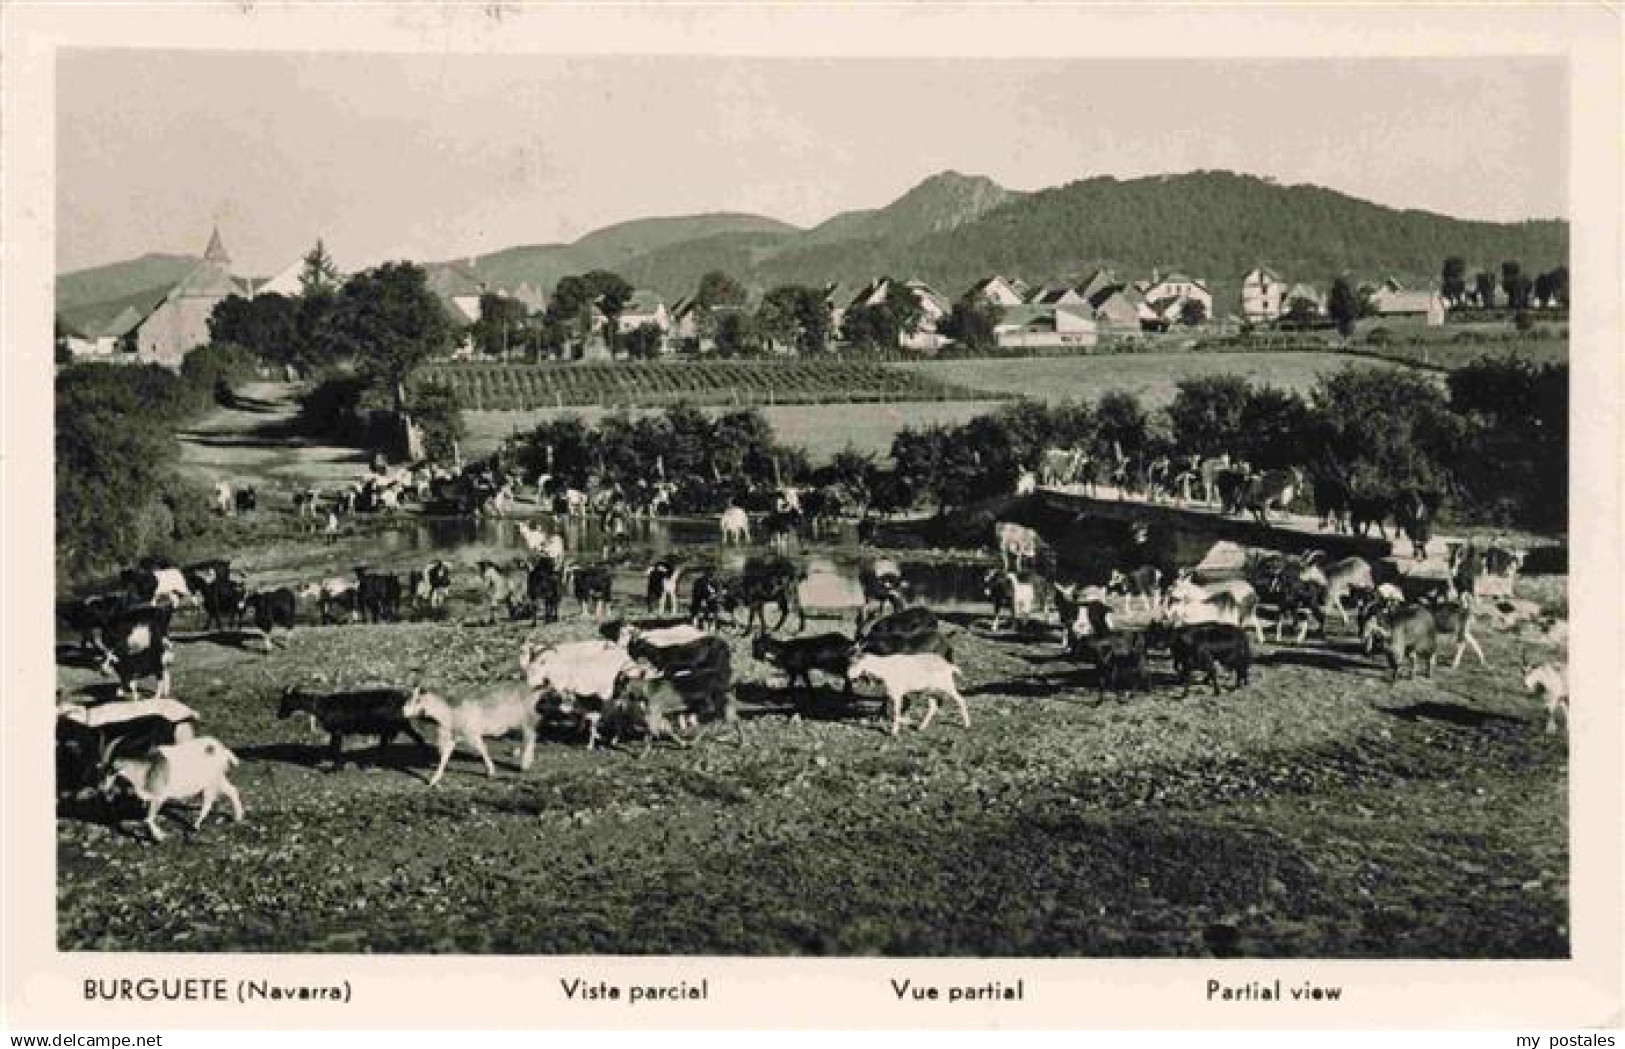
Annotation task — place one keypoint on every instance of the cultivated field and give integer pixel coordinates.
(822, 429)
(1319, 812)
(1152, 377)
(659, 383)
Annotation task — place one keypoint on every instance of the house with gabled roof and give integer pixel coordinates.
(644, 307)
(1263, 294)
(996, 290)
(1168, 292)
(1057, 294)
(1392, 299)
(933, 307)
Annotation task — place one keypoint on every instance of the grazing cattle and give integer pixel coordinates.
(136, 645)
(705, 602)
(156, 585)
(909, 632)
(336, 593)
(87, 738)
(89, 616)
(1208, 471)
(1234, 602)
(175, 773)
(660, 593)
(781, 526)
(905, 675)
(1015, 541)
(1407, 634)
(493, 710)
(735, 525)
(799, 657)
(1270, 489)
(224, 503)
(543, 590)
(1414, 517)
(1144, 582)
(200, 574)
(1331, 495)
(1059, 466)
(245, 499)
(592, 586)
(378, 595)
(272, 609)
(1549, 682)
(358, 712)
(576, 679)
(1230, 487)
(767, 580)
(1025, 595)
(223, 604)
(1026, 482)
(1205, 647)
(1367, 509)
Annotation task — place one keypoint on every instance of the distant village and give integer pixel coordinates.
(1058, 316)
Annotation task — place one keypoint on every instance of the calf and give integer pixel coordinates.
(495, 710)
(359, 712)
(1204, 647)
(798, 657)
(1144, 582)
(903, 676)
(272, 609)
(178, 772)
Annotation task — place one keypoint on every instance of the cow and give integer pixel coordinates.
(1414, 516)
(592, 586)
(542, 591)
(1367, 509)
(1331, 496)
(272, 609)
(245, 500)
(378, 595)
(1015, 541)
(735, 526)
(1272, 488)
(135, 644)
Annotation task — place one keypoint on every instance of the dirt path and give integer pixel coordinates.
(251, 443)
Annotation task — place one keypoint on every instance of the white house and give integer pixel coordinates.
(1168, 292)
(1390, 300)
(1263, 295)
(933, 307)
(645, 307)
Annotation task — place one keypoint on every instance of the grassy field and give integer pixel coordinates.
(822, 429)
(1319, 812)
(1153, 377)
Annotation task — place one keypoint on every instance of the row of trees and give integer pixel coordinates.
(1519, 290)
(1493, 443)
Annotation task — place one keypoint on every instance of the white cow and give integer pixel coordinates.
(735, 524)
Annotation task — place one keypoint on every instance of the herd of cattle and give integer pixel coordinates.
(668, 675)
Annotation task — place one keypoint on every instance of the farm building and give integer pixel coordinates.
(1393, 300)
(933, 307)
(644, 307)
(1047, 327)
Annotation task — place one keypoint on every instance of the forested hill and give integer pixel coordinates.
(1215, 225)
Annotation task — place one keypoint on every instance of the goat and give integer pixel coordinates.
(175, 773)
(905, 675)
(362, 712)
(494, 711)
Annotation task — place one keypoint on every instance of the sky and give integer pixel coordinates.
(432, 157)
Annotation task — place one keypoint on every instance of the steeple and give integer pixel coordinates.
(217, 250)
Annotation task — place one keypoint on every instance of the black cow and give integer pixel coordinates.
(592, 587)
(89, 616)
(1367, 509)
(136, 644)
(223, 603)
(360, 712)
(542, 590)
(272, 609)
(378, 595)
(245, 499)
